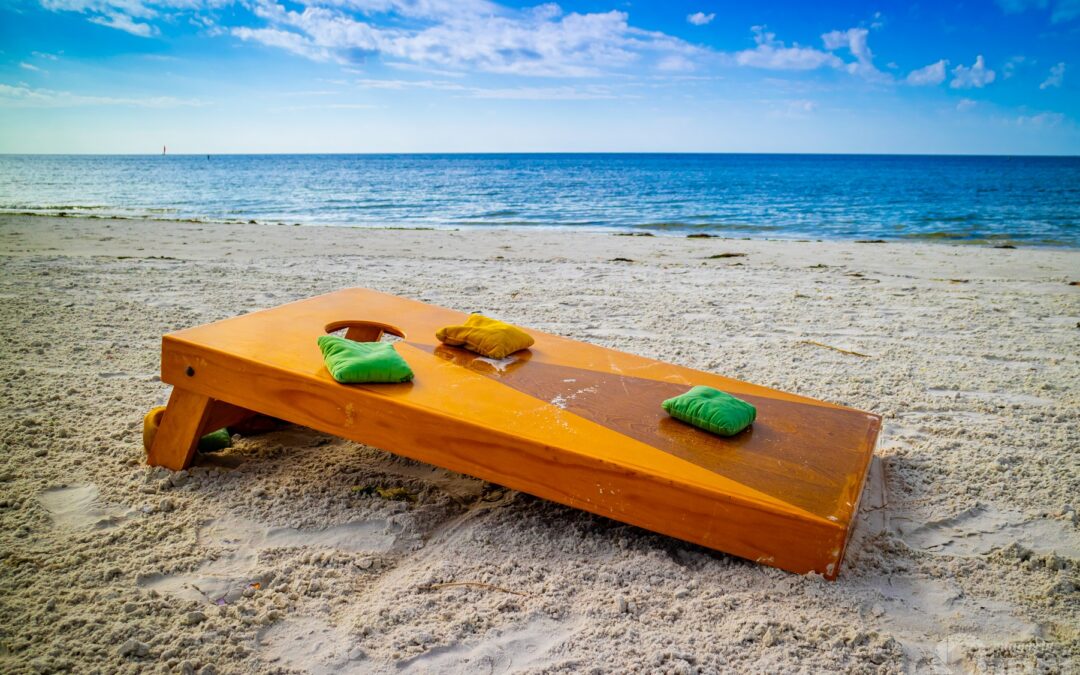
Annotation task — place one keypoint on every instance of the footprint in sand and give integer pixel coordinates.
(527, 646)
(312, 646)
(79, 507)
(920, 611)
(1000, 398)
(238, 542)
(980, 530)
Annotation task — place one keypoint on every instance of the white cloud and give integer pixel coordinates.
(701, 18)
(125, 23)
(21, 96)
(29, 66)
(1046, 119)
(1014, 64)
(928, 75)
(855, 40)
(327, 106)
(1055, 78)
(794, 109)
(566, 93)
(772, 54)
(977, 76)
(676, 63)
(47, 56)
(541, 41)
(430, 9)
(398, 85)
(966, 104)
(546, 93)
(133, 16)
(287, 40)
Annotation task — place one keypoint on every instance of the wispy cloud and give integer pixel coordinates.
(125, 23)
(701, 18)
(29, 66)
(792, 108)
(977, 76)
(1044, 119)
(930, 75)
(676, 63)
(855, 41)
(966, 104)
(523, 93)
(287, 40)
(547, 93)
(20, 96)
(133, 16)
(1055, 78)
(542, 41)
(773, 54)
(327, 106)
(398, 85)
(1014, 64)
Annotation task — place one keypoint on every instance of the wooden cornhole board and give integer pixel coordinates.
(567, 421)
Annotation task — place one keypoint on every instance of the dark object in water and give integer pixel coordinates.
(869, 241)
(620, 260)
(700, 235)
(726, 255)
(1004, 246)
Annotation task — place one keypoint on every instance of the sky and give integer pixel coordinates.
(283, 76)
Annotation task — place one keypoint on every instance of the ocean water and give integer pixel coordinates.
(1032, 200)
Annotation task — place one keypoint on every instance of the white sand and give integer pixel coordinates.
(965, 557)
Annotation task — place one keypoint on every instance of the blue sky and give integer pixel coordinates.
(128, 76)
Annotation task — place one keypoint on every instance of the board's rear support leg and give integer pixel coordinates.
(224, 414)
(180, 430)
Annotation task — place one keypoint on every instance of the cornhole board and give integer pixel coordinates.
(567, 421)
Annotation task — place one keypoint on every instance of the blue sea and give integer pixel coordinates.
(1028, 200)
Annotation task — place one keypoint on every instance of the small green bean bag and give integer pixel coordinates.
(211, 442)
(352, 362)
(712, 410)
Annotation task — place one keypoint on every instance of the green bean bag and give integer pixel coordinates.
(211, 442)
(351, 362)
(712, 410)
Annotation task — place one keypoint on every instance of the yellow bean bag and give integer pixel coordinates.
(487, 337)
(216, 440)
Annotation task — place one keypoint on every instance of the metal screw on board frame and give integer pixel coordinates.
(190, 371)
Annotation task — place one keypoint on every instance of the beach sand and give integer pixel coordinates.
(273, 557)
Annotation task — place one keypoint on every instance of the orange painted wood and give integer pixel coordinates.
(567, 421)
(224, 414)
(180, 429)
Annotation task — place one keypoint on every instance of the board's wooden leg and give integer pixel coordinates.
(181, 426)
(224, 414)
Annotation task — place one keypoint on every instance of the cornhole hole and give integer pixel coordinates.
(567, 421)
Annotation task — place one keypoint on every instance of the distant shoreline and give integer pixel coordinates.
(601, 153)
(945, 238)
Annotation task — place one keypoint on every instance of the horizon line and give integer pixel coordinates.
(541, 152)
